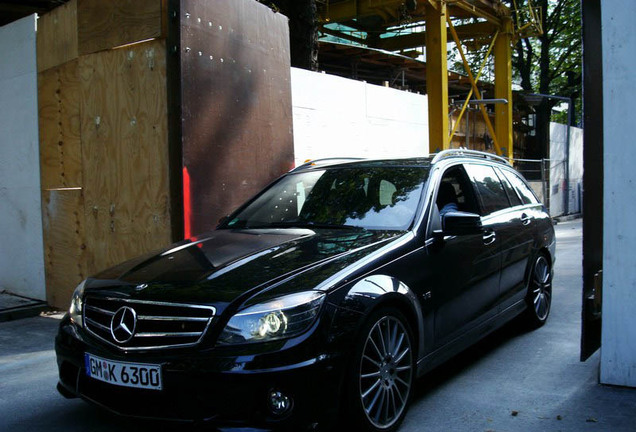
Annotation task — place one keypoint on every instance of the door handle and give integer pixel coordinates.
(525, 219)
(489, 237)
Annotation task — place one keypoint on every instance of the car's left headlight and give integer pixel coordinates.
(75, 311)
(282, 317)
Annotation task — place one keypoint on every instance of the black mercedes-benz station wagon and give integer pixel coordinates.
(324, 297)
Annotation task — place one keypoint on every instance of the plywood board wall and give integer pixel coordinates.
(103, 138)
(125, 152)
(61, 173)
(59, 124)
(108, 178)
(57, 36)
(65, 252)
(107, 24)
(104, 162)
(236, 105)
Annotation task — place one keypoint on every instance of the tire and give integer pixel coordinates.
(539, 297)
(380, 382)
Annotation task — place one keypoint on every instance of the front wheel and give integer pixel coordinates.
(380, 384)
(539, 297)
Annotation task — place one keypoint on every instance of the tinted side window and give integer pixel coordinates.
(491, 192)
(526, 194)
(510, 191)
(463, 192)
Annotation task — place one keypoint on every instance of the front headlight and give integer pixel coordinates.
(279, 318)
(75, 311)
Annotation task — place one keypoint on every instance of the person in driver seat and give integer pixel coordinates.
(446, 199)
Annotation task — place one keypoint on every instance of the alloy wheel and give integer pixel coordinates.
(386, 369)
(541, 288)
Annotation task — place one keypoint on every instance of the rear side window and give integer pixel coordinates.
(526, 194)
(512, 194)
(489, 188)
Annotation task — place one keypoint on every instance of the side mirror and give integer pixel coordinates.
(461, 223)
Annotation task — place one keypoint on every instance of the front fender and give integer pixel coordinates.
(373, 291)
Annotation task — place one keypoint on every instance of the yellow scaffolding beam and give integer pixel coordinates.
(437, 77)
(494, 18)
(473, 84)
(470, 93)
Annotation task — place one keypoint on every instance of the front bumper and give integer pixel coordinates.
(208, 386)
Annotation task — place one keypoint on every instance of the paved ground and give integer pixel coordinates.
(511, 381)
(15, 307)
(528, 381)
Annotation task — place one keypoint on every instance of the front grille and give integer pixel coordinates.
(158, 324)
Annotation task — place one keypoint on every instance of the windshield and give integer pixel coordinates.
(375, 198)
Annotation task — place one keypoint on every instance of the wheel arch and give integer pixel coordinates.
(379, 291)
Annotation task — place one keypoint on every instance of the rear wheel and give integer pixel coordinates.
(539, 297)
(381, 382)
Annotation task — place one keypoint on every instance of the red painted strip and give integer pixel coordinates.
(187, 204)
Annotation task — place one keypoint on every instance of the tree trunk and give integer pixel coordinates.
(304, 34)
(545, 108)
(303, 30)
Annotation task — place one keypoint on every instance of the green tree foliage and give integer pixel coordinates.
(551, 63)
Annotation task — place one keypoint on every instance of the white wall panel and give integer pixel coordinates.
(339, 117)
(618, 350)
(21, 247)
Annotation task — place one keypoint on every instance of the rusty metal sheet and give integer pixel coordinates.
(236, 112)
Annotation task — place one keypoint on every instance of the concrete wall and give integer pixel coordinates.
(21, 250)
(618, 351)
(335, 116)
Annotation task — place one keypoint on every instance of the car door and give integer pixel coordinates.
(502, 218)
(464, 268)
(517, 239)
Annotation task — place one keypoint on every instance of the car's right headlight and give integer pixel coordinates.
(280, 318)
(75, 311)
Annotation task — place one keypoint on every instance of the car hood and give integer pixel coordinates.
(223, 265)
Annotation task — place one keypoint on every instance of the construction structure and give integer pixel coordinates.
(403, 26)
(155, 118)
(148, 112)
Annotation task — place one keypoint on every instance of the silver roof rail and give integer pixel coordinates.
(462, 152)
(325, 161)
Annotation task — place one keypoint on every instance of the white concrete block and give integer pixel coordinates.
(618, 350)
(21, 245)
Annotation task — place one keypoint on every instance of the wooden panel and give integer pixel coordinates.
(125, 152)
(107, 24)
(65, 253)
(59, 123)
(236, 105)
(57, 36)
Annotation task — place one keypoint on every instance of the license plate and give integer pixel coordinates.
(138, 375)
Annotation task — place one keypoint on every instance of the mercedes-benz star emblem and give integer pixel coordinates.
(122, 326)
